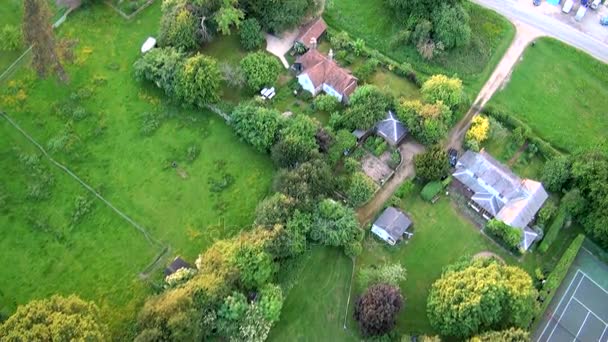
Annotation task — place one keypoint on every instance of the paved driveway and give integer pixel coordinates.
(279, 46)
(553, 25)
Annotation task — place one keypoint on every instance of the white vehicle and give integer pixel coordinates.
(580, 13)
(568, 6)
(595, 4)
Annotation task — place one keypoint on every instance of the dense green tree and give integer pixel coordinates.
(590, 174)
(334, 224)
(261, 70)
(432, 165)
(361, 189)
(298, 142)
(546, 213)
(251, 34)
(271, 302)
(38, 32)
(451, 26)
(391, 274)
(509, 235)
(442, 88)
(573, 202)
(343, 142)
(508, 335)
(376, 311)
(255, 266)
(55, 319)
(428, 123)
(177, 26)
(326, 103)
(198, 81)
(368, 105)
(480, 295)
(160, 66)
(306, 183)
(277, 16)
(556, 173)
(258, 126)
(231, 312)
(273, 210)
(229, 15)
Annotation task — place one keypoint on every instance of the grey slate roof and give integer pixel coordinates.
(394, 222)
(177, 263)
(498, 190)
(391, 129)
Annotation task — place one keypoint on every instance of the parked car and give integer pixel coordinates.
(604, 21)
(452, 157)
(580, 13)
(567, 6)
(536, 2)
(595, 4)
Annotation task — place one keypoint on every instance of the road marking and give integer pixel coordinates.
(594, 314)
(581, 328)
(566, 309)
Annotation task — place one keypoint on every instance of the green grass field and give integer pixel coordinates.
(561, 93)
(106, 147)
(491, 36)
(315, 307)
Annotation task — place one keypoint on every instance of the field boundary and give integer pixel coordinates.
(151, 240)
(132, 15)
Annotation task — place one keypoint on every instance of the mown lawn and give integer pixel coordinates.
(45, 252)
(561, 93)
(371, 21)
(190, 181)
(315, 307)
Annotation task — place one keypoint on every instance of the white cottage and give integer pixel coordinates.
(321, 73)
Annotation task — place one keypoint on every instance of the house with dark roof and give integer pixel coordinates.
(391, 129)
(317, 73)
(392, 225)
(177, 264)
(494, 191)
(310, 33)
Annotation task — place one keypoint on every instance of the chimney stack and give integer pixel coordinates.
(313, 43)
(331, 54)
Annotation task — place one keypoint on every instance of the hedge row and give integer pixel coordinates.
(512, 122)
(509, 236)
(556, 277)
(430, 190)
(401, 69)
(554, 229)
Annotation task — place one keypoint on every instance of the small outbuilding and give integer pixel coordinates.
(177, 264)
(392, 225)
(311, 33)
(391, 129)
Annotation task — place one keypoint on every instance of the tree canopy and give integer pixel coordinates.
(508, 335)
(428, 123)
(368, 105)
(334, 224)
(361, 189)
(473, 297)
(261, 70)
(277, 16)
(251, 34)
(377, 309)
(432, 164)
(442, 88)
(258, 126)
(306, 183)
(297, 143)
(55, 319)
(198, 81)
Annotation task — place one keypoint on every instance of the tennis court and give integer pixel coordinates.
(581, 313)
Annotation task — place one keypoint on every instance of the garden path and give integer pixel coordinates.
(279, 46)
(525, 34)
(405, 170)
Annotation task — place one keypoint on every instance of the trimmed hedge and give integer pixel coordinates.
(554, 230)
(430, 190)
(512, 122)
(558, 274)
(509, 236)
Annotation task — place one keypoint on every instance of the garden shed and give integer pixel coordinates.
(391, 129)
(392, 225)
(177, 264)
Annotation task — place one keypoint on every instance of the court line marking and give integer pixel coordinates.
(593, 281)
(566, 309)
(594, 314)
(581, 328)
(559, 304)
(603, 332)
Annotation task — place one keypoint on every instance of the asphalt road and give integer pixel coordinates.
(550, 26)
